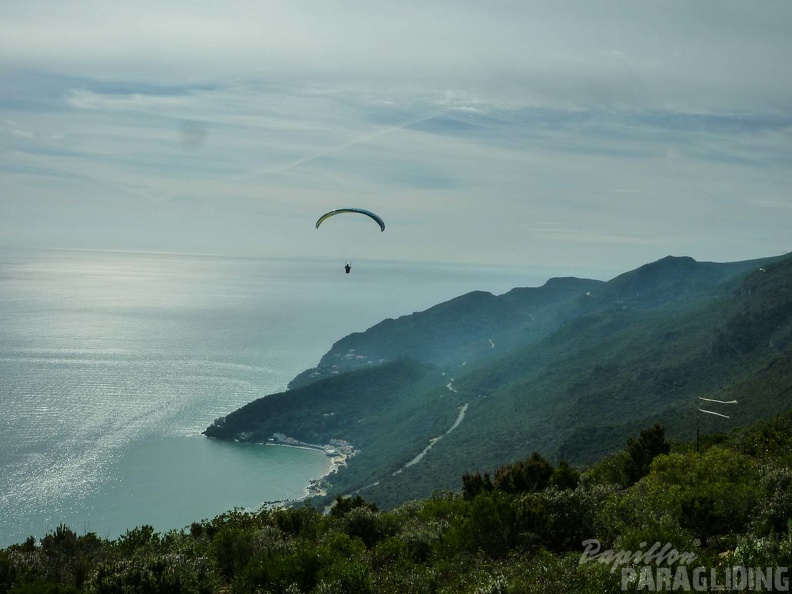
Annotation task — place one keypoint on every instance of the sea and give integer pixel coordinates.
(113, 363)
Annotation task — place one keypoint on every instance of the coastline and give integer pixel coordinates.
(337, 452)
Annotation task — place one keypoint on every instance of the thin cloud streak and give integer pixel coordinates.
(359, 141)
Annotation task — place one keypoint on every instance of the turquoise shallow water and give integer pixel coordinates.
(111, 364)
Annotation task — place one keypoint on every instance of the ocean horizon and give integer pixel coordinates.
(113, 363)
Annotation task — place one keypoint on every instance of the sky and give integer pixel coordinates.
(583, 137)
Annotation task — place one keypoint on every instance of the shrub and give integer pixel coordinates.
(142, 537)
(156, 574)
(529, 475)
(343, 505)
(565, 477)
(569, 517)
(232, 549)
(775, 510)
(473, 484)
(488, 524)
(368, 525)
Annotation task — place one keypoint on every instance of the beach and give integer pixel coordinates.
(338, 452)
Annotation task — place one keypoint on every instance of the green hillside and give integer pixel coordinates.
(477, 325)
(380, 410)
(569, 370)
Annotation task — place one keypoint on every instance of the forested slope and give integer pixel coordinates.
(569, 369)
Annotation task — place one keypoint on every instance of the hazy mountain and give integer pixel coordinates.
(456, 331)
(569, 369)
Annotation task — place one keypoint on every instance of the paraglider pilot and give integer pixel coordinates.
(347, 267)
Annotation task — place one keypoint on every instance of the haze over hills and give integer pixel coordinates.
(569, 369)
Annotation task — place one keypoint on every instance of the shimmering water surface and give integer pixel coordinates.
(111, 364)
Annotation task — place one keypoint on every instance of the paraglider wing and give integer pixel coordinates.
(362, 211)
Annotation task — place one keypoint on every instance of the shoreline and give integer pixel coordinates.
(338, 453)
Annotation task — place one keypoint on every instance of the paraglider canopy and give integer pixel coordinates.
(362, 211)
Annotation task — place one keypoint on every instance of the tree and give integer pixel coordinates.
(473, 484)
(344, 505)
(640, 452)
(529, 475)
(565, 477)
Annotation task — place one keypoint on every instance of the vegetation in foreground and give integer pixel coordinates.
(518, 530)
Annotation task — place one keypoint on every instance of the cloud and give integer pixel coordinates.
(588, 236)
(12, 127)
(673, 55)
(773, 203)
(134, 102)
(644, 128)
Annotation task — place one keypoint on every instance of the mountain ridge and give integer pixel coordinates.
(567, 369)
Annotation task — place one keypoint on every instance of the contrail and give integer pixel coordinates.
(281, 168)
(252, 174)
(337, 149)
(631, 191)
(153, 193)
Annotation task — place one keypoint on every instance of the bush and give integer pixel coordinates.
(489, 525)
(368, 525)
(569, 517)
(156, 574)
(529, 475)
(565, 477)
(43, 588)
(608, 471)
(142, 537)
(303, 521)
(353, 578)
(232, 549)
(473, 484)
(775, 509)
(343, 505)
